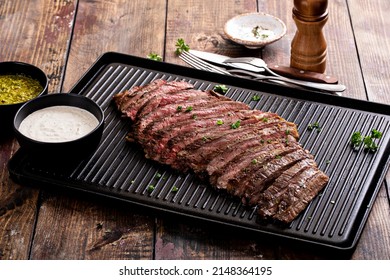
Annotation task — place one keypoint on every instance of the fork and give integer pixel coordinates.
(203, 65)
(200, 64)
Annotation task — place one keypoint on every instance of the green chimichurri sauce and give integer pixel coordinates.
(18, 88)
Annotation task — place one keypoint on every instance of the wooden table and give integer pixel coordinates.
(65, 37)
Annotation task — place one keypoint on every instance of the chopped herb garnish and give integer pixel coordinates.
(189, 109)
(264, 119)
(220, 89)
(376, 134)
(194, 117)
(154, 56)
(150, 188)
(181, 46)
(256, 32)
(313, 126)
(370, 144)
(356, 139)
(174, 189)
(235, 125)
(287, 132)
(254, 161)
(255, 97)
(278, 156)
(220, 122)
(204, 138)
(179, 108)
(158, 176)
(328, 161)
(368, 141)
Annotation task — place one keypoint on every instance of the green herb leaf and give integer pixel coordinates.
(368, 141)
(189, 109)
(154, 56)
(235, 125)
(220, 122)
(313, 126)
(370, 144)
(150, 188)
(356, 139)
(255, 97)
(220, 89)
(376, 134)
(181, 46)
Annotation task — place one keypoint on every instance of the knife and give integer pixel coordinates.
(219, 59)
(281, 70)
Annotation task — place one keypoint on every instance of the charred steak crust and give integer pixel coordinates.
(250, 154)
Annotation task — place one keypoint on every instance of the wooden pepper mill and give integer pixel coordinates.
(308, 47)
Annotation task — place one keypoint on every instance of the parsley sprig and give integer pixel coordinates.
(181, 46)
(315, 126)
(154, 56)
(357, 139)
(222, 89)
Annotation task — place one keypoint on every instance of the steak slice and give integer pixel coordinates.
(296, 198)
(131, 106)
(125, 100)
(294, 176)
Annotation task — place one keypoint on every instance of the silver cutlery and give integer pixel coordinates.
(257, 65)
(203, 65)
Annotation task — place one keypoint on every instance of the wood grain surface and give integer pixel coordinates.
(66, 37)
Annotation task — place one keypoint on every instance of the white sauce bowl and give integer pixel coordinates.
(61, 124)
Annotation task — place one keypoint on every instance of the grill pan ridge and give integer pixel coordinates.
(118, 169)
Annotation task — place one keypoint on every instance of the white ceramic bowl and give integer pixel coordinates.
(254, 30)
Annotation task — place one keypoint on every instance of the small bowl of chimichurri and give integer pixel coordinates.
(19, 83)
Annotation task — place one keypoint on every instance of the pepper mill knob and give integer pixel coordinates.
(308, 47)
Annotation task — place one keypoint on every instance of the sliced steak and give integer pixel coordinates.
(250, 154)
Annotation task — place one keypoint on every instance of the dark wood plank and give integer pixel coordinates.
(132, 27)
(33, 32)
(371, 27)
(88, 229)
(200, 23)
(74, 227)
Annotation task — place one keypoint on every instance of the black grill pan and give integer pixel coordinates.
(118, 169)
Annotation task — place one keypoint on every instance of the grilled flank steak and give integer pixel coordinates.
(250, 154)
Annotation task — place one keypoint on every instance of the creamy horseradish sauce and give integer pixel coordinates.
(58, 124)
